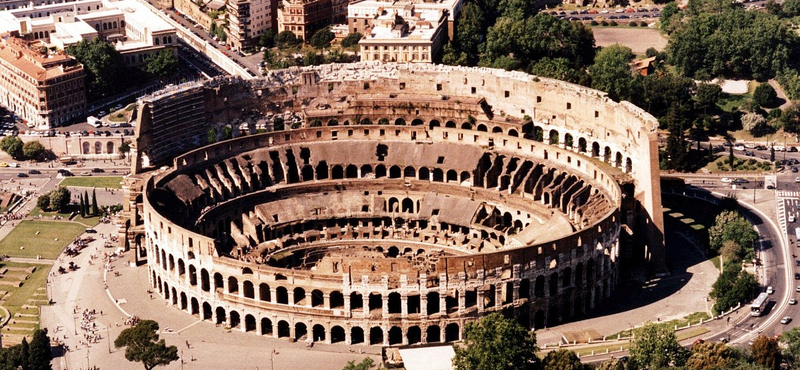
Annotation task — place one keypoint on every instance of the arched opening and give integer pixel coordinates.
(595, 149)
(417, 122)
(356, 335)
(438, 175)
(433, 302)
(414, 335)
(394, 172)
(318, 332)
(512, 132)
(408, 205)
(433, 334)
(582, 145)
(207, 314)
(351, 172)
(524, 289)
(181, 267)
(366, 121)
(452, 175)
(434, 123)
(264, 293)
(283, 329)
(221, 318)
(395, 336)
(394, 303)
(249, 323)
(233, 285)
(409, 172)
(607, 155)
(618, 160)
(554, 284)
(195, 306)
(218, 281)
(192, 275)
(375, 335)
(365, 170)
(299, 296)
(322, 170)
(300, 331)
(282, 295)
(538, 320)
(424, 174)
(380, 171)
(317, 299)
(266, 326)
(337, 334)
(466, 126)
(184, 301)
(336, 299)
(628, 165)
(451, 332)
(553, 137)
(539, 287)
(568, 141)
(482, 128)
(497, 130)
(356, 301)
(450, 124)
(337, 172)
(400, 122)
(375, 301)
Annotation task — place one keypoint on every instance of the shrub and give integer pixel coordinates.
(633, 24)
(604, 23)
(593, 23)
(765, 95)
(643, 24)
(612, 23)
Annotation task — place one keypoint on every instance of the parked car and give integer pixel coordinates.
(34, 172)
(786, 319)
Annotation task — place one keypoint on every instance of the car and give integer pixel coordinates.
(34, 172)
(797, 275)
(786, 319)
(89, 230)
(797, 179)
(22, 174)
(723, 340)
(101, 113)
(792, 301)
(739, 181)
(770, 290)
(98, 170)
(797, 289)
(797, 262)
(726, 180)
(727, 143)
(86, 173)
(792, 148)
(794, 168)
(739, 147)
(749, 153)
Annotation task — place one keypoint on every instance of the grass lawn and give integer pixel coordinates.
(93, 181)
(86, 221)
(17, 297)
(52, 238)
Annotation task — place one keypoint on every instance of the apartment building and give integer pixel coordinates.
(44, 88)
(248, 20)
(404, 35)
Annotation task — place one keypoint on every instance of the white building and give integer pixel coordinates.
(403, 34)
(133, 30)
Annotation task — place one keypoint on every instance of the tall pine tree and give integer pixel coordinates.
(86, 201)
(83, 207)
(95, 210)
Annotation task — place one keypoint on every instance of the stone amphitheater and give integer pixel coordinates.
(390, 204)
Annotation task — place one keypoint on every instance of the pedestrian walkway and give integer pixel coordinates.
(787, 194)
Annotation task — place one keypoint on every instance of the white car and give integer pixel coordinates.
(770, 290)
(793, 301)
(786, 319)
(797, 179)
(739, 147)
(791, 218)
(727, 180)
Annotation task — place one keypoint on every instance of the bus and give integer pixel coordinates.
(758, 306)
(797, 232)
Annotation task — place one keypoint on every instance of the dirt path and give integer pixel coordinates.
(638, 39)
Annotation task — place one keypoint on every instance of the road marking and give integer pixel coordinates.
(179, 331)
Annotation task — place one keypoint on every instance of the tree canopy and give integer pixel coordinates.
(322, 38)
(162, 64)
(33, 356)
(611, 71)
(142, 345)
(655, 346)
(103, 64)
(495, 343)
(733, 43)
(765, 352)
(33, 149)
(13, 146)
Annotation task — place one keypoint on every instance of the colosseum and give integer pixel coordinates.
(390, 204)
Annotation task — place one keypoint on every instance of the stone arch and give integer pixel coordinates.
(337, 172)
(538, 320)
(433, 303)
(322, 170)
(553, 137)
(434, 123)
(181, 267)
(524, 291)
(218, 281)
(221, 317)
(194, 306)
(452, 175)
(466, 126)
(400, 122)
(595, 149)
(375, 301)
(247, 289)
(539, 287)
(110, 147)
(281, 295)
(375, 335)
(233, 285)
(414, 335)
(395, 336)
(607, 155)
(263, 292)
(299, 296)
(438, 175)
(482, 127)
(204, 280)
(337, 334)
(318, 333)
(554, 284)
(513, 132)
(380, 171)
(266, 326)
(333, 122)
(618, 160)
(351, 172)
(356, 301)
(207, 313)
(628, 165)
(408, 205)
(451, 333)
(171, 262)
(394, 172)
(409, 172)
(98, 147)
(568, 141)
(356, 335)
(336, 299)
(450, 124)
(497, 130)
(317, 298)
(582, 145)
(184, 301)
(283, 329)
(424, 174)
(249, 323)
(365, 169)
(417, 122)
(433, 334)
(394, 303)
(365, 121)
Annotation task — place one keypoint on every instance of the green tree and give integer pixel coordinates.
(659, 92)
(40, 355)
(351, 40)
(668, 13)
(711, 356)
(32, 149)
(322, 38)
(267, 39)
(212, 135)
(312, 58)
(676, 150)
(707, 96)
(83, 207)
(495, 343)
(611, 71)
(730, 225)
(765, 95)
(791, 8)
(772, 7)
(162, 64)
(791, 339)
(103, 64)
(13, 146)
(655, 346)
(365, 364)
(59, 199)
(766, 352)
(44, 202)
(287, 39)
(559, 68)
(789, 120)
(142, 345)
(85, 198)
(754, 123)
(561, 359)
(470, 29)
(95, 209)
(125, 147)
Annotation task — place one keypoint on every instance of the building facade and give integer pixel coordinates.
(248, 20)
(46, 89)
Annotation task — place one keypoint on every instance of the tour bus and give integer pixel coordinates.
(758, 306)
(797, 234)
